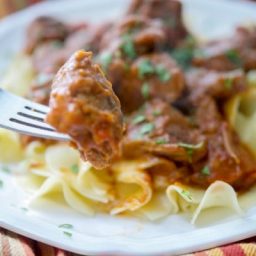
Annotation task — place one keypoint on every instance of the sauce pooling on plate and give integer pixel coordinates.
(83, 105)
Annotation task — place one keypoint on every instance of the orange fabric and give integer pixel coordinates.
(238, 249)
(12, 244)
(9, 6)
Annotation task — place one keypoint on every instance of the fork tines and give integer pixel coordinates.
(24, 116)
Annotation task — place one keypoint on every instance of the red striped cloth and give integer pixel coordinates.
(12, 244)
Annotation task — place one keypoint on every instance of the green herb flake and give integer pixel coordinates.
(145, 68)
(206, 171)
(128, 46)
(190, 153)
(183, 56)
(138, 119)
(228, 82)
(105, 59)
(234, 57)
(67, 226)
(145, 90)
(162, 73)
(1, 183)
(156, 112)
(190, 148)
(74, 168)
(24, 209)
(66, 233)
(146, 128)
(186, 194)
(161, 141)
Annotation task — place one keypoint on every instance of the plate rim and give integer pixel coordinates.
(224, 233)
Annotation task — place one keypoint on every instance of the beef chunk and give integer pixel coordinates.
(149, 76)
(133, 36)
(228, 159)
(83, 105)
(237, 51)
(88, 38)
(159, 129)
(44, 29)
(220, 85)
(168, 11)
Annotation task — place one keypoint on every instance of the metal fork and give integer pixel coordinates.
(26, 117)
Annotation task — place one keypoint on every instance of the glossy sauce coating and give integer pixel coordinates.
(84, 106)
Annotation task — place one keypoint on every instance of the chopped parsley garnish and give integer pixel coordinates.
(186, 194)
(69, 234)
(228, 82)
(190, 148)
(67, 226)
(145, 68)
(161, 141)
(145, 90)
(183, 56)
(205, 170)
(163, 74)
(128, 46)
(1, 183)
(156, 112)
(234, 57)
(190, 153)
(138, 119)
(74, 168)
(105, 60)
(146, 128)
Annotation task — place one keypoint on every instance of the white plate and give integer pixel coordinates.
(104, 234)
